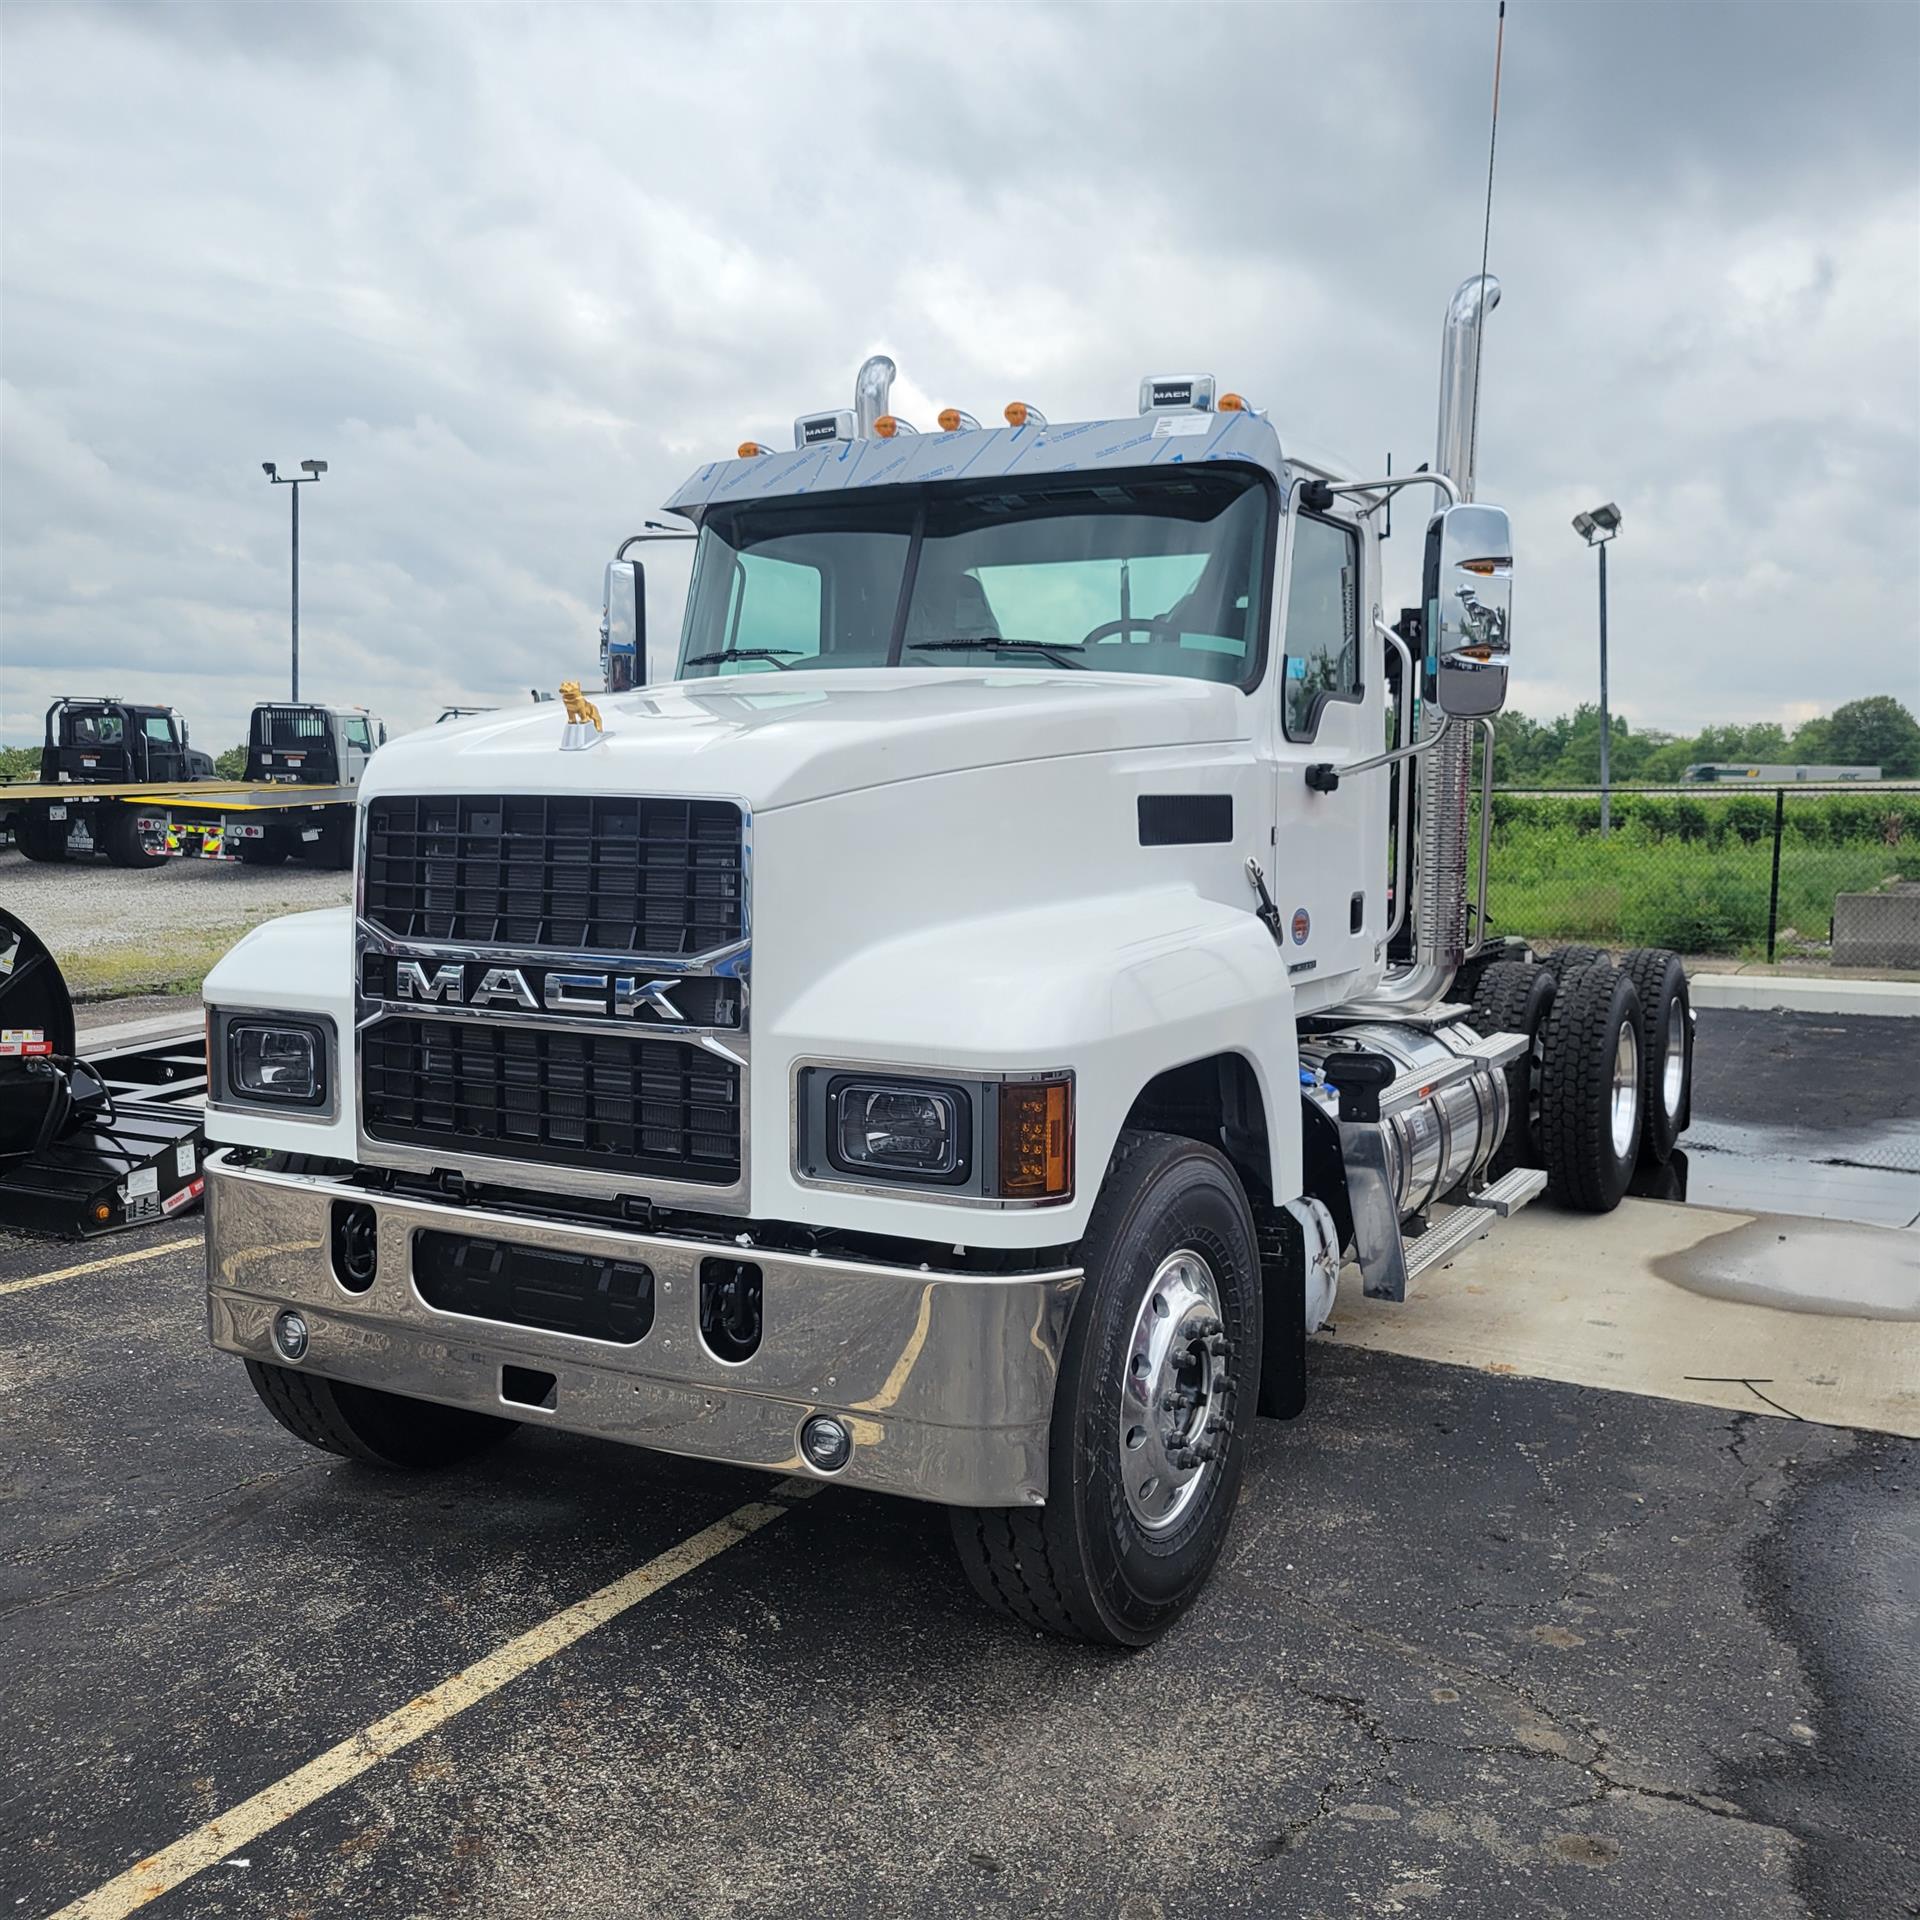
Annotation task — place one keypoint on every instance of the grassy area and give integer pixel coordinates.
(175, 962)
(1693, 874)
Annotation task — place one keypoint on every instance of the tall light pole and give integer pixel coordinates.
(1598, 529)
(313, 469)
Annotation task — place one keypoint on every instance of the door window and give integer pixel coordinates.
(358, 735)
(160, 729)
(1323, 622)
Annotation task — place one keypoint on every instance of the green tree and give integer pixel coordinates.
(231, 765)
(1813, 744)
(1877, 732)
(19, 763)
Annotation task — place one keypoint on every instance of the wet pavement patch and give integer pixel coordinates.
(1803, 1113)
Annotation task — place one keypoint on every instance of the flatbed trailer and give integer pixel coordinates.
(214, 821)
(93, 1142)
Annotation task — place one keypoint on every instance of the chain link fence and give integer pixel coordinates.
(1746, 873)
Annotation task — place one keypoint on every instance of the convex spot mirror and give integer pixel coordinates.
(623, 627)
(1469, 595)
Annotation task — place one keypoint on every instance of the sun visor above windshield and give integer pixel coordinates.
(1169, 439)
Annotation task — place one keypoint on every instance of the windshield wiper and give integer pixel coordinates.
(961, 643)
(744, 653)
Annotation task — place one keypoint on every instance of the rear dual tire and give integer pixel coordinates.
(1513, 997)
(1130, 1530)
(125, 845)
(1666, 1055)
(1591, 1094)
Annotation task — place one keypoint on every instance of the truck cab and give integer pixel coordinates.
(309, 745)
(92, 741)
(948, 1038)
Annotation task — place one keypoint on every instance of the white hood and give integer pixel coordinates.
(778, 739)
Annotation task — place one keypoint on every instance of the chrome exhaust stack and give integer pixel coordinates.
(1439, 920)
(871, 389)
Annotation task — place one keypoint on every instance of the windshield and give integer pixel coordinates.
(1130, 573)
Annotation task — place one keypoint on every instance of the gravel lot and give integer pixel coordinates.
(81, 905)
(118, 930)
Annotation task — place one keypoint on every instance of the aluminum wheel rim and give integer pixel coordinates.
(1625, 1101)
(1170, 1402)
(1673, 1069)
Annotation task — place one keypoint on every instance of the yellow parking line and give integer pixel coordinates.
(206, 1845)
(98, 1266)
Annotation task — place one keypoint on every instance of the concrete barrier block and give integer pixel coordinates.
(1877, 929)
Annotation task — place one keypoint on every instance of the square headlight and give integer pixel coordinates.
(276, 1062)
(903, 1128)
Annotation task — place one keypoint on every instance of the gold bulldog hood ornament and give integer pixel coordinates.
(583, 728)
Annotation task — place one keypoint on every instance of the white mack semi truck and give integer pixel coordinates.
(951, 1037)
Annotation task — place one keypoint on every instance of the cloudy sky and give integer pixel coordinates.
(514, 272)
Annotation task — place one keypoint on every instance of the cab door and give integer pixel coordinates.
(1329, 877)
(357, 739)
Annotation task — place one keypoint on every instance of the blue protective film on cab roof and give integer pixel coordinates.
(844, 466)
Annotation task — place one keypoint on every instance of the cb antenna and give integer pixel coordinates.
(1486, 235)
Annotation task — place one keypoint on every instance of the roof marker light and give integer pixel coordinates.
(890, 424)
(954, 420)
(1231, 403)
(1020, 414)
(752, 450)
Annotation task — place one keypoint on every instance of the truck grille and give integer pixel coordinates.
(655, 1108)
(595, 873)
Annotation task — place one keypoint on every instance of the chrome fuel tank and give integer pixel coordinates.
(1441, 1119)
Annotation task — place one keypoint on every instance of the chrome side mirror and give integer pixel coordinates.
(623, 627)
(1469, 594)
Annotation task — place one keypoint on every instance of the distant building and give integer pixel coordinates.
(1774, 776)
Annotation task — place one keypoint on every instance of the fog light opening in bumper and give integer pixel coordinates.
(289, 1334)
(825, 1444)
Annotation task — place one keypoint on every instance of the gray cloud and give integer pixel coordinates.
(514, 273)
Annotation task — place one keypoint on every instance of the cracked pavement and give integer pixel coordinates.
(1479, 1646)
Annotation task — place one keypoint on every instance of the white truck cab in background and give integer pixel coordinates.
(949, 1037)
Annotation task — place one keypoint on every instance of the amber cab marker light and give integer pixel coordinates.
(1230, 403)
(752, 450)
(886, 426)
(1036, 1131)
(1020, 414)
(952, 419)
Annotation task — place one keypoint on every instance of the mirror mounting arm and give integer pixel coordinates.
(1324, 777)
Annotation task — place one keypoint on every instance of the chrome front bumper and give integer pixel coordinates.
(944, 1379)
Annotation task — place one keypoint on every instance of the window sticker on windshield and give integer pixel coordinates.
(1171, 423)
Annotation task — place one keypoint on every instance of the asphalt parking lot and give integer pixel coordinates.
(1481, 1645)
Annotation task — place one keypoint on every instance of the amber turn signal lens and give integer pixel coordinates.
(1230, 403)
(1036, 1138)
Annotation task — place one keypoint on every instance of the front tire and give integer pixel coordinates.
(42, 841)
(1590, 1089)
(1152, 1413)
(363, 1423)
